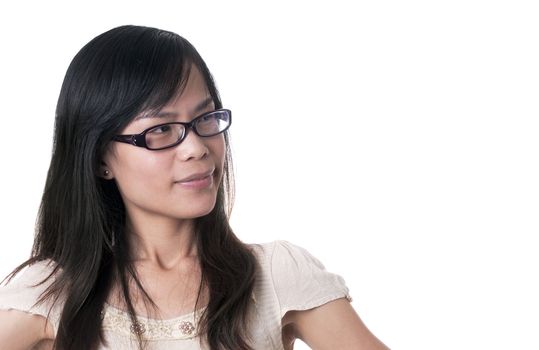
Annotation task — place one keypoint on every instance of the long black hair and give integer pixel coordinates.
(116, 76)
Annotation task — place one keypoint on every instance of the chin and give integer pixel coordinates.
(196, 211)
(198, 214)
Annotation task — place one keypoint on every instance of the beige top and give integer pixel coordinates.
(290, 278)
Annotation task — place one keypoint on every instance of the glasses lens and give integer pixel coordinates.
(164, 135)
(213, 123)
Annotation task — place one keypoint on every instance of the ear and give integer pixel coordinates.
(105, 172)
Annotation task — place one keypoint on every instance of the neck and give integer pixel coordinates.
(161, 242)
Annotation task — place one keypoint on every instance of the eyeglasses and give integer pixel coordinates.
(171, 134)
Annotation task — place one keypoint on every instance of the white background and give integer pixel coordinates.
(395, 140)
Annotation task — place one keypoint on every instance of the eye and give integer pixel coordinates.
(162, 129)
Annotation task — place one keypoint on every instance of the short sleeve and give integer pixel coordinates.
(301, 281)
(21, 294)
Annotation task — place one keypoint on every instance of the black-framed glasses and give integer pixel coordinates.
(171, 134)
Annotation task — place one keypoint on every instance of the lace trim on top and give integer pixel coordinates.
(182, 327)
(119, 322)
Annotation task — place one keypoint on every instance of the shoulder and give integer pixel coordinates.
(30, 278)
(36, 269)
(19, 296)
(284, 258)
(280, 251)
(23, 330)
(297, 279)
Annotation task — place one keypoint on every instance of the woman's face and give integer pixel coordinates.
(149, 180)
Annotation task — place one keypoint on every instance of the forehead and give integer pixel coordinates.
(191, 97)
(194, 90)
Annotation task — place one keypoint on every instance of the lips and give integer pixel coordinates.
(197, 176)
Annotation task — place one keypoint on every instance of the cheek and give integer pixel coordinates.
(139, 175)
(218, 147)
(218, 150)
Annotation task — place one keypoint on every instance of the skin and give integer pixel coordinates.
(334, 325)
(160, 216)
(160, 212)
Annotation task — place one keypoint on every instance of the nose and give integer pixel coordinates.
(192, 146)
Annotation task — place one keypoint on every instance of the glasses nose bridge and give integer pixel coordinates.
(188, 127)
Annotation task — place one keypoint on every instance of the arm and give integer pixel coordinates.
(334, 325)
(20, 330)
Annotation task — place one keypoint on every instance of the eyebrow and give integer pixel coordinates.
(197, 110)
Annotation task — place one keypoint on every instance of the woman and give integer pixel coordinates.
(133, 244)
